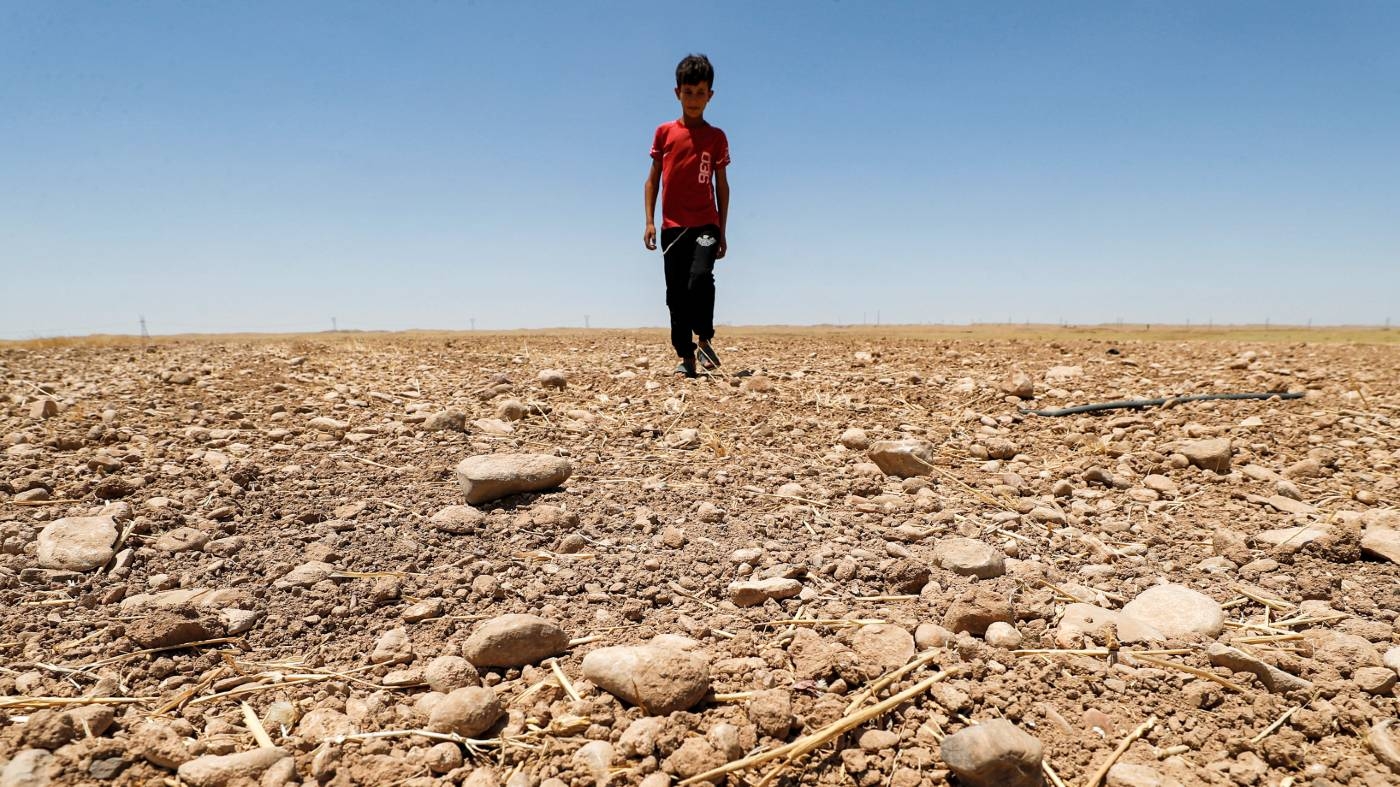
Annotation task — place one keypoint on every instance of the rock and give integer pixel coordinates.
(427, 609)
(1230, 544)
(512, 410)
(43, 409)
(106, 768)
(493, 476)
(1177, 611)
(771, 712)
(877, 740)
(1213, 454)
(975, 610)
(748, 593)
(514, 641)
(182, 539)
(882, 648)
(639, 739)
(1002, 635)
(1375, 680)
(593, 758)
(467, 712)
(328, 425)
(695, 756)
(1392, 659)
(855, 439)
(494, 426)
(1124, 774)
(684, 439)
(756, 384)
(994, 753)
(1346, 652)
(1160, 483)
(50, 729)
(166, 628)
(305, 575)
(446, 421)
(1273, 678)
(1381, 542)
(904, 458)
(160, 745)
(1080, 619)
(28, 768)
(114, 487)
(1000, 448)
(77, 543)
(446, 673)
(1018, 384)
(931, 635)
(553, 378)
(666, 675)
(1292, 538)
(458, 520)
(322, 724)
(444, 758)
(1383, 744)
(1059, 375)
(906, 576)
(969, 557)
(392, 647)
(219, 770)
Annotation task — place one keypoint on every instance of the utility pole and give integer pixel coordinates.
(145, 336)
(585, 322)
(473, 321)
(333, 326)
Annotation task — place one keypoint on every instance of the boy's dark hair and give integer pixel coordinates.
(695, 69)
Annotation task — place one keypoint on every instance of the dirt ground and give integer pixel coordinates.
(278, 569)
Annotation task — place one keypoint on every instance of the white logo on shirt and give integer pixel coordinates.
(705, 167)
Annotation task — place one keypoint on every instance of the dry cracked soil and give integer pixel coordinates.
(844, 558)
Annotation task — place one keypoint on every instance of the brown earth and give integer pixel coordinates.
(300, 544)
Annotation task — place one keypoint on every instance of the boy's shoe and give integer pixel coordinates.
(686, 368)
(709, 359)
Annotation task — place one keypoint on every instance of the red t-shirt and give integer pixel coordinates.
(689, 157)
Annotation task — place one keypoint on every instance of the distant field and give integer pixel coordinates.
(989, 331)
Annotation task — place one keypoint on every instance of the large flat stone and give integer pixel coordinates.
(493, 476)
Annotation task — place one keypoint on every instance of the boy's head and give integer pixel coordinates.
(694, 79)
(694, 70)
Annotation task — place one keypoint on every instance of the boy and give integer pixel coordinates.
(690, 157)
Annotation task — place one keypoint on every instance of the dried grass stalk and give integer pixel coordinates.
(807, 743)
(1140, 731)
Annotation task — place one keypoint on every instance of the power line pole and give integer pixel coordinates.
(585, 322)
(145, 335)
(473, 321)
(333, 326)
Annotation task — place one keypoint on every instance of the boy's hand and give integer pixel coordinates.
(723, 247)
(649, 237)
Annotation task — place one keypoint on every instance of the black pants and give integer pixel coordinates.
(690, 284)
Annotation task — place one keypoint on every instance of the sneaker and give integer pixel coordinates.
(686, 368)
(709, 359)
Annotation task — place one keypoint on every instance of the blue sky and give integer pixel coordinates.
(269, 166)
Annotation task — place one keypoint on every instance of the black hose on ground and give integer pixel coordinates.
(1138, 404)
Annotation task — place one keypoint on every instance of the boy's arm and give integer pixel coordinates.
(722, 198)
(653, 186)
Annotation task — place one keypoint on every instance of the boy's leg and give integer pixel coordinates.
(702, 282)
(678, 259)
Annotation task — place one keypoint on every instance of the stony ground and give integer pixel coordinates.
(253, 562)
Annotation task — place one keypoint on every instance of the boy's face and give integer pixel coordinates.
(693, 99)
